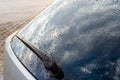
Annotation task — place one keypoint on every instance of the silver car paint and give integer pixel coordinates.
(14, 70)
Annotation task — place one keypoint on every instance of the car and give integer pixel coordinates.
(69, 40)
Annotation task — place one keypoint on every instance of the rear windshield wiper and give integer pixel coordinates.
(49, 64)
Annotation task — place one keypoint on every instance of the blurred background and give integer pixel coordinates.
(15, 14)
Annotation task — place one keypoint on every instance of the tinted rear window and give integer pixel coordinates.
(83, 36)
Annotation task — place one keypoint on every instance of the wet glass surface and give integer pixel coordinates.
(82, 36)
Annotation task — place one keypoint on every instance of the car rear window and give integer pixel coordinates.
(83, 36)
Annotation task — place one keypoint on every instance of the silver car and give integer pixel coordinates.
(70, 40)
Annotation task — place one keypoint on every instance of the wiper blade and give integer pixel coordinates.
(49, 64)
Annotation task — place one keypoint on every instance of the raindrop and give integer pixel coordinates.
(68, 45)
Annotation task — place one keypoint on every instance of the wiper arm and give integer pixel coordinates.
(49, 64)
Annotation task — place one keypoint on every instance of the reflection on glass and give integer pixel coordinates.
(82, 36)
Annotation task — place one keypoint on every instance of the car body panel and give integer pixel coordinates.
(14, 70)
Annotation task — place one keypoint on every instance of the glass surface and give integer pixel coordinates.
(83, 36)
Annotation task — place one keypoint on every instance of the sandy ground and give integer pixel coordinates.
(15, 14)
